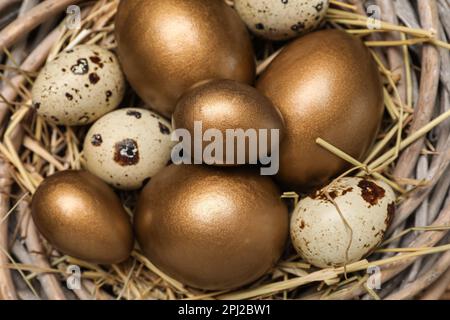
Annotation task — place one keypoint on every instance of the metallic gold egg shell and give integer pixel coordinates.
(227, 104)
(327, 86)
(167, 46)
(209, 227)
(82, 216)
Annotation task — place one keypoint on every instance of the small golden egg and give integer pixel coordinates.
(81, 215)
(230, 107)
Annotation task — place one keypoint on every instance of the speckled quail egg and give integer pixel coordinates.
(320, 234)
(281, 19)
(128, 146)
(79, 86)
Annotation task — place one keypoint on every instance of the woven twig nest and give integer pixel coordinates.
(411, 153)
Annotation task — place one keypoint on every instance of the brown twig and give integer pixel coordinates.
(429, 82)
(22, 26)
(445, 15)
(5, 276)
(394, 54)
(438, 288)
(416, 197)
(32, 63)
(7, 290)
(49, 282)
(427, 239)
(405, 12)
(6, 3)
(425, 280)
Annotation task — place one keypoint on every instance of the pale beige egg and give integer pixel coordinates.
(78, 86)
(343, 222)
(127, 147)
(281, 19)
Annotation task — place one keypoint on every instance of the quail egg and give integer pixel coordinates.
(281, 19)
(127, 147)
(343, 222)
(78, 86)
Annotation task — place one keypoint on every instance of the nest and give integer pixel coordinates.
(412, 154)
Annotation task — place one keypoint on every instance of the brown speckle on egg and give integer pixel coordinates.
(298, 27)
(319, 6)
(83, 119)
(134, 113)
(126, 152)
(163, 128)
(94, 78)
(96, 140)
(108, 95)
(259, 26)
(97, 61)
(349, 189)
(81, 67)
(371, 192)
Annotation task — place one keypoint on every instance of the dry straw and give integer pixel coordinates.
(412, 54)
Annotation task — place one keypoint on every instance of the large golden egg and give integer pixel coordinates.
(82, 216)
(209, 227)
(167, 46)
(326, 86)
(230, 106)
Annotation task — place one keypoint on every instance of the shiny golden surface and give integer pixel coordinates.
(210, 227)
(167, 46)
(227, 104)
(82, 216)
(326, 85)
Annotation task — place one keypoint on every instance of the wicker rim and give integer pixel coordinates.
(415, 274)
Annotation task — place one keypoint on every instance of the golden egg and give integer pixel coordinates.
(167, 46)
(327, 86)
(210, 227)
(229, 106)
(82, 216)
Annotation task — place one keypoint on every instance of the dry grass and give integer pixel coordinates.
(47, 148)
